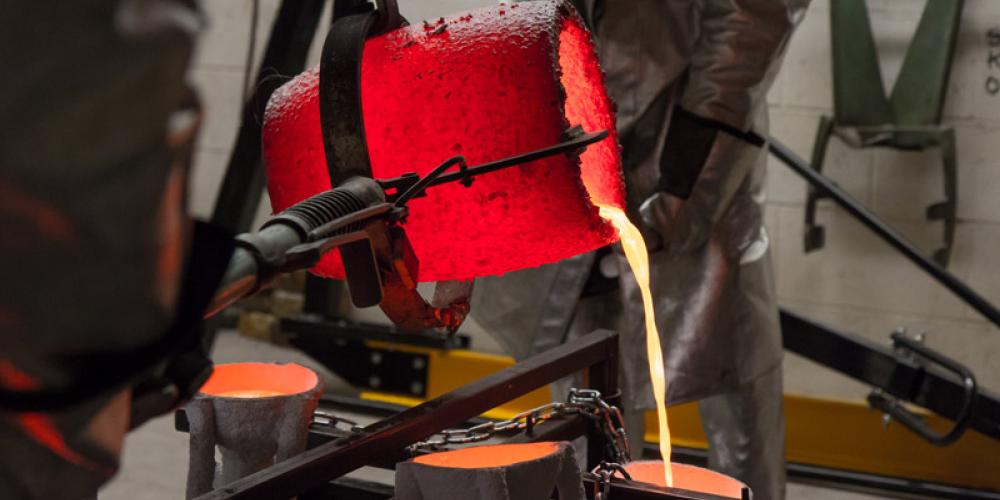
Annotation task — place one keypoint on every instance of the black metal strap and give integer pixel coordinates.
(689, 142)
(340, 106)
(340, 98)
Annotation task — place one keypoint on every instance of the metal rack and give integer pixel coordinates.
(388, 441)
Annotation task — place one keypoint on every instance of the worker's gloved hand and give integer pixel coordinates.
(704, 162)
(677, 228)
(688, 145)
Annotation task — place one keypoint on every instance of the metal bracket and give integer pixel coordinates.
(340, 104)
(913, 351)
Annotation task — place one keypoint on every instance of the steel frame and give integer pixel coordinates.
(569, 428)
(316, 473)
(596, 353)
(895, 373)
(880, 367)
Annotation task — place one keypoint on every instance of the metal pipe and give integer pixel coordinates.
(883, 230)
(259, 255)
(238, 282)
(243, 275)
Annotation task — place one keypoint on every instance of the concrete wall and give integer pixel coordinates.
(856, 282)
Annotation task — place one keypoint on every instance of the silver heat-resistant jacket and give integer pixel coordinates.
(711, 269)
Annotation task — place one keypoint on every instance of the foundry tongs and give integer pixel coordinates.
(363, 217)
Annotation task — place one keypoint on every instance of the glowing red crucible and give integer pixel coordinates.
(486, 84)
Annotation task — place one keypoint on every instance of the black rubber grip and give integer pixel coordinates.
(320, 209)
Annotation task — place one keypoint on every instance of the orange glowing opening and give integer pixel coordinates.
(587, 105)
(483, 457)
(686, 477)
(256, 380)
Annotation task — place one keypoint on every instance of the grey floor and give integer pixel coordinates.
(155, 459)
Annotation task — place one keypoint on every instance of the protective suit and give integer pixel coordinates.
(689, 78)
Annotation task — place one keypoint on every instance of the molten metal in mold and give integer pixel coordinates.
(486, 84)
(245, 380)
(477, 457)
(253, 415)
(687, 477)
(529, 471)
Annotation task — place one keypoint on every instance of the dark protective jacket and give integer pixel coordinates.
(92, 218)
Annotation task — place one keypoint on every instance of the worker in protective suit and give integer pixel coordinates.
(689, 79)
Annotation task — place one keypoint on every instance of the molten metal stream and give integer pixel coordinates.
(638, 260)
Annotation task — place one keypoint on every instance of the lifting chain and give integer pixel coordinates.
(602, 475)
(585, 402)
(329, 420)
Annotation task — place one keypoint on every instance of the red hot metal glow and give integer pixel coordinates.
(243, 380)
(486, 84)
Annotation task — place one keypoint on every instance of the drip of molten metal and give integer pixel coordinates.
(638, 259)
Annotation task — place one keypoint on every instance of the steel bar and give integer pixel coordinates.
(242, 275)
(353, 489)
(876, 365)
(240, 279)
(883, 230)
(315, 336)
(319, 465)
(576, 143)
(633, 490)
(565, 428)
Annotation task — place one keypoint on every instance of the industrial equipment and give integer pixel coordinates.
(363, 218)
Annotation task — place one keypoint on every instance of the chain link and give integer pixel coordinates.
(585, 402)
(329, 420)
(602, 475)
(609, 419)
